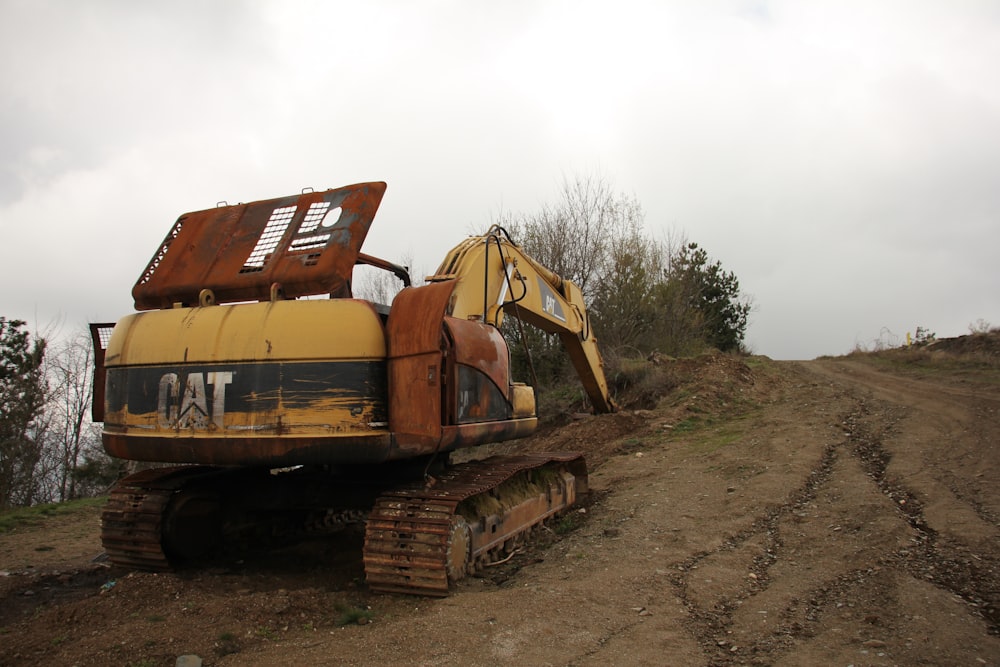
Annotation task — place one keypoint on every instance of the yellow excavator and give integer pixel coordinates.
(290, 407)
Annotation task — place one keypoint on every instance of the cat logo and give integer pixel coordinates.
(187, 404)
(550, 305)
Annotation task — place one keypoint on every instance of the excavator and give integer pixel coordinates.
(283, 406)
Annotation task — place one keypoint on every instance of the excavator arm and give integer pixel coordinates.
(494, 277)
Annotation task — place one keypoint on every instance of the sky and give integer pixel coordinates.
(841, 158)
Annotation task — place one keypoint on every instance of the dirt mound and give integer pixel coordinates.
(978, 344)
(654, 395)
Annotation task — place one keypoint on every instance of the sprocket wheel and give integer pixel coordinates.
(459, 547)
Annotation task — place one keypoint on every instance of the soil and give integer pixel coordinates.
(837, 511)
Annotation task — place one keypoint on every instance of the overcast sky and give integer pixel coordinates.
(842, 158)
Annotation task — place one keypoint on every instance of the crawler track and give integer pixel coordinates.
(132, 521)
(419, 538)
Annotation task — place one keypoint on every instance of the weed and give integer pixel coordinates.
(226, 644)
(687, 425)
(567, 524)
(156, 618)
(348, 614)
(267, 633)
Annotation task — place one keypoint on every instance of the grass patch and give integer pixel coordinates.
(688, 425)
(723, 436)
(351, 615)
(567, 524)
(26, 517)
(931, 360)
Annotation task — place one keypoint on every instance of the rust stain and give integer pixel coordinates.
(240, 252)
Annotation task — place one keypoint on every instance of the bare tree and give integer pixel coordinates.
(380, 286)
(589, 236)
(71, 376)
(574, 236)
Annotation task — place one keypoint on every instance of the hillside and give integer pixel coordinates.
(744, 511)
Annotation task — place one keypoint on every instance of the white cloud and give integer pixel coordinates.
(841, 159)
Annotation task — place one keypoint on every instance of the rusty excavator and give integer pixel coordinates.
(281, 413)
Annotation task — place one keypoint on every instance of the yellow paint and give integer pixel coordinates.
(326, 330)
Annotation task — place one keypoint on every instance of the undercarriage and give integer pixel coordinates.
(421, 534)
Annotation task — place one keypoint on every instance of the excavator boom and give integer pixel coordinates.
(496, 278)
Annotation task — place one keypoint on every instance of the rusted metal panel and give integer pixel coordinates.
(307, 244)
(469, 435)
(494, 531)
(482, 347)
(251, 451)
(478, 373)
(415, 332)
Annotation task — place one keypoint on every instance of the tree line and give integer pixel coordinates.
(644, 295)
(50, 451)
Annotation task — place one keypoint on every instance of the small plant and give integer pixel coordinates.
(156, 618)
(567, 524)
(348, 615)
(267, 633)
(226, 644)
(686, 425)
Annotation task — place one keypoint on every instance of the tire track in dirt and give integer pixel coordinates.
(946, 558)
(943, 562)
(710, 625)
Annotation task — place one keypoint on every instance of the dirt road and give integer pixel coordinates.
(836, 512)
